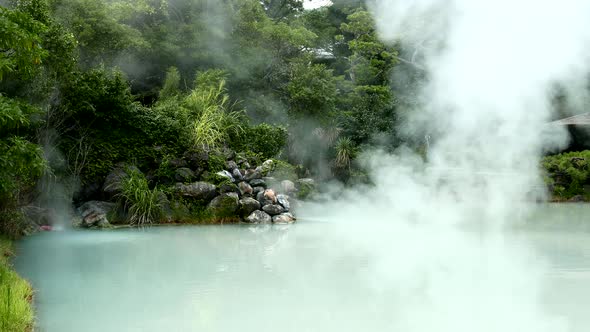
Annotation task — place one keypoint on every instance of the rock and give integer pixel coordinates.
(305, 182)
(229, 154)
(258, 183)
(196, 159)
(258, 169)
(40, 216)
(88, 192)
(178, 163)
(284, 218)
(231, 165)
(267, 166)
(224, 205)
(256, 190)
(287, 186)
(248, 205)
(270, 195)
(266, 197)
(259, 217)
(198, 190)
(94, 213)
(273, 209)
(246, 165)
(305, 187)
(228, 188)
(226, 175)
(114, 181)
(237, 175)
(166, 207)
(252, 174)
(245, 189)
(577, 199)
(284, 201)
(184, 174)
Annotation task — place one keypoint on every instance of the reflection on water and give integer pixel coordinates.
(240, 278)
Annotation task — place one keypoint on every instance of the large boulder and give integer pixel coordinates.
(177, 163)
(270, 195)
(284, 201)
(256, 190)
(259, 217)
(40, 216)
(283, 218)
(197, 190)
(94, 213)
(245, 189)
(184, 174)
(287, 186)
(266, 197)
(237, 174)
(228, 188)
(227, 175)
(273, 209)
(196, 159)
(305, 187)
(113, 184)
(258, 183)
(252, 174)
(231, 165)
(224, 205)
(267, 166)
(248, 205)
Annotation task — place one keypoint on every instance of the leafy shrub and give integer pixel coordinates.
(171, 86)
(216, 162)
(283, 170)
(21, 165)
(142, 203)
(264, 139)
(568, 173)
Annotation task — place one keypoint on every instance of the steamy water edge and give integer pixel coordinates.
(311, 277)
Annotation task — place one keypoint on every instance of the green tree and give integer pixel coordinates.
(20, 43)
(282, 9)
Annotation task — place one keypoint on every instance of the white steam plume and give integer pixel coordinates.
(491, 67)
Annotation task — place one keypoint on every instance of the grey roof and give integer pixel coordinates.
(577, 120)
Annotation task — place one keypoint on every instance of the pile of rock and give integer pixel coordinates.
(250, 194)
(247, 193)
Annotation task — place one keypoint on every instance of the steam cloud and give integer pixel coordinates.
(435, 230)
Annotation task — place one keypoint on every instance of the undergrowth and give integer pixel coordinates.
(16, 312)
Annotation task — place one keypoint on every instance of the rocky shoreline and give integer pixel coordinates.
(262, 194)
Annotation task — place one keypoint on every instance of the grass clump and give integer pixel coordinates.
(16, 312)
(142, 204)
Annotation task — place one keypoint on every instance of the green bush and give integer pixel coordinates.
(264, 139)
(568, 173)
(216, 162)
(283, 170)
(142, 204)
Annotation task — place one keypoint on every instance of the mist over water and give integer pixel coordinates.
(436, 229)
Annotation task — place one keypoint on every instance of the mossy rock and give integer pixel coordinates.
(224, 205)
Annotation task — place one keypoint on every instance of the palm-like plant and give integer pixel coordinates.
(345, 152)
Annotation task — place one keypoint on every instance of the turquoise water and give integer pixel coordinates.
(302, 277)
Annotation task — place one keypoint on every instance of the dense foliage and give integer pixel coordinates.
(568, 174)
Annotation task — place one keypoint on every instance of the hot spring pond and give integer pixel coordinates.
(313, 276)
